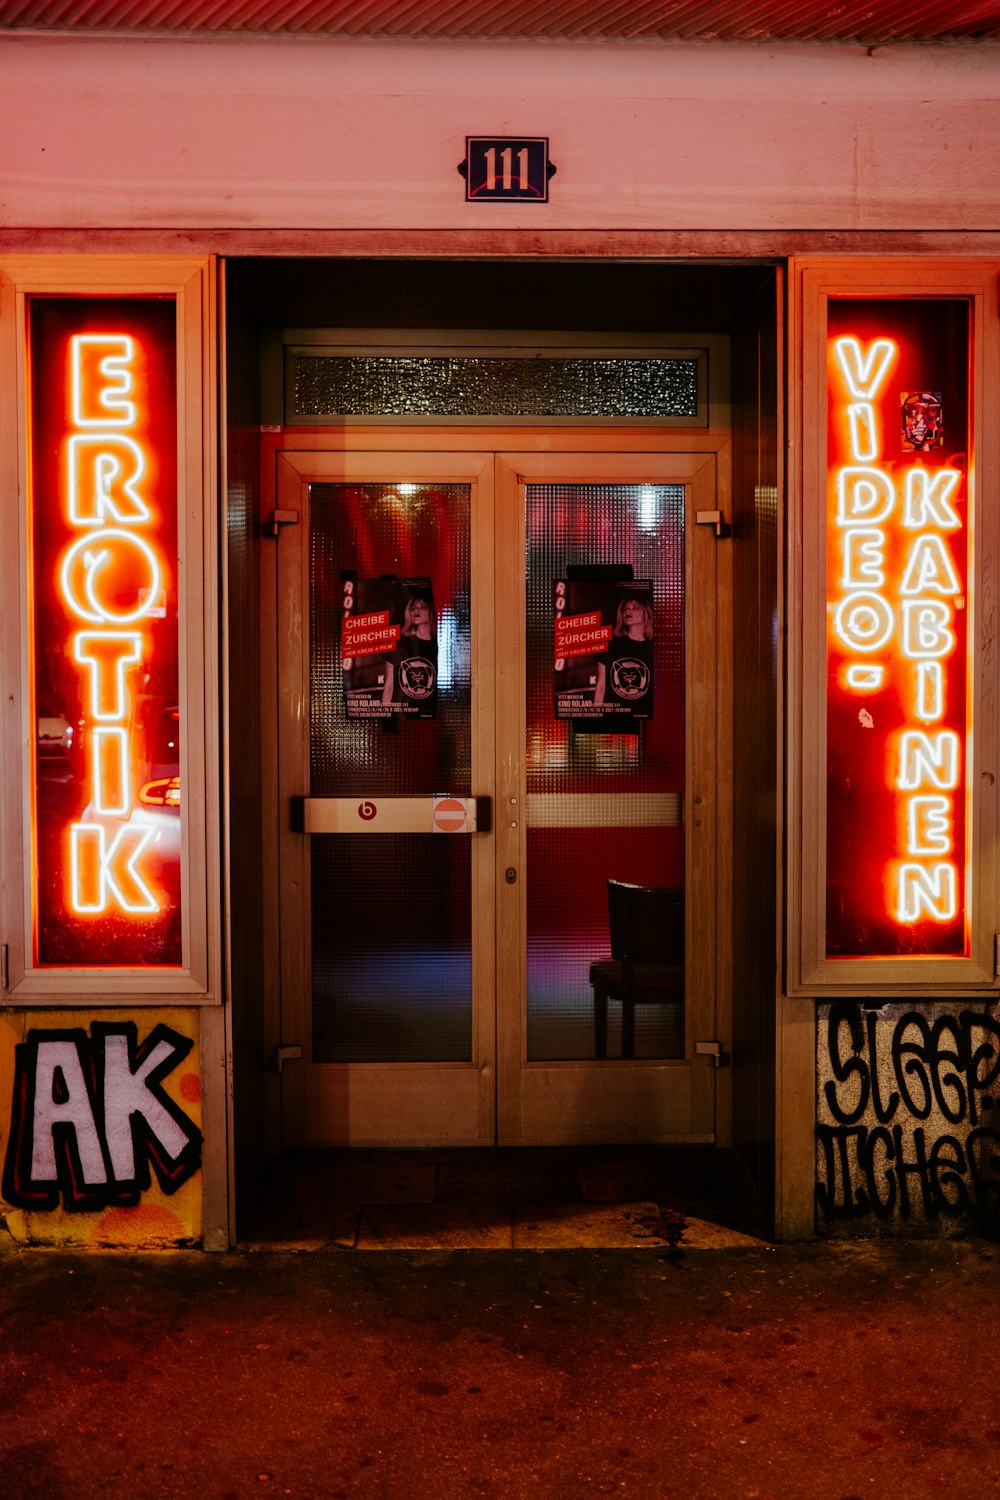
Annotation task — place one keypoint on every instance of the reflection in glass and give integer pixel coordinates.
(600, 805)
(391, 913)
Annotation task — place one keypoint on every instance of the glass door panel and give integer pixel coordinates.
(604, 792)
(385, 856)
(607, 754)
(462, 989)
(405, 897)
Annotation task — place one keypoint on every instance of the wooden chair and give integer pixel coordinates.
(646, 967)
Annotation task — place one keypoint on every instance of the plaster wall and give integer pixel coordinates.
(102, 1143)
(906, 1129)
(315, 133)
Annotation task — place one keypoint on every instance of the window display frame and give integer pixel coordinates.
(809, 968)
(187, 281)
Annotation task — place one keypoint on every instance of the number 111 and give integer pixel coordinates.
(510, 161)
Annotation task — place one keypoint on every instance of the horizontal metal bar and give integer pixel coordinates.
(605, 810)
(432, 814)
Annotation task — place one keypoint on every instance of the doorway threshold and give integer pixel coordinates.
(666, 1198)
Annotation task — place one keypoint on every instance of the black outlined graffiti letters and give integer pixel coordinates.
(91, 1121)
(908, 1130)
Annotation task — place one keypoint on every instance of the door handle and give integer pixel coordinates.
(360, 814)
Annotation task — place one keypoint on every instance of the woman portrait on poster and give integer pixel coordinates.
(418, 617)
(412, 676)
(629, 673)
(634, 620)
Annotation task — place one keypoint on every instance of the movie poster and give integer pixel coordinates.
(604, 650)
(389, 648)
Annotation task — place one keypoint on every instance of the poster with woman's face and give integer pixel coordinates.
(603, 648)
(389, 648)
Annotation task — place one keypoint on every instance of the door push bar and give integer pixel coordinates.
(435, 814)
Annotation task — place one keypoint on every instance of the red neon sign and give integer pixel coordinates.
(107, 855)
(897, 629)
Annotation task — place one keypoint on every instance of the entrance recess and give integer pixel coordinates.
(452, 801)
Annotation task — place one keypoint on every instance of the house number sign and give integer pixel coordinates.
(507, 168)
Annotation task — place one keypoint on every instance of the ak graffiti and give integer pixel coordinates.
(912, 1102)
(91, 1122)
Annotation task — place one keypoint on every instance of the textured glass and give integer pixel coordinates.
(457, 386)
(600, 805)
(391, 913)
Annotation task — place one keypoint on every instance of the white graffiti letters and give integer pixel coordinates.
(127, 1094)
(91, 1117)
(62, 1099)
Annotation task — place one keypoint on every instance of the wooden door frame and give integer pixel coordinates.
(704, 449)
(466, 1092)
(662, 1089)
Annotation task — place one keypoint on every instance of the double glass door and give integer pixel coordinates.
(497, 699)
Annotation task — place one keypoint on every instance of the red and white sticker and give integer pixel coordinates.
(450, 815)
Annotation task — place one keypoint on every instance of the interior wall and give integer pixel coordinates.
(242, 741)
(604, 295)
(757, 645)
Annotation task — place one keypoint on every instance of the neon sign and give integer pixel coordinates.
(105, 660)
(897, 652)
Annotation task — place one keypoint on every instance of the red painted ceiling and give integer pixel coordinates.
(869, 21)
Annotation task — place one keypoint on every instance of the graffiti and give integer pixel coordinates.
(868, 1171)
(90, 1119)
(908, 1127)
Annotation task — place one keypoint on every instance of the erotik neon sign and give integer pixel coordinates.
(107, 828)
(897, 593)
(110, 580)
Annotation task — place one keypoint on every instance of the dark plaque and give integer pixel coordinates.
(507, 168)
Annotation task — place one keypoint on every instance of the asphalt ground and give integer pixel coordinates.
(834, 1370)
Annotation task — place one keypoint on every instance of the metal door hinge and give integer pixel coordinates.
(714, 1051)
(713, 518)
(996, 955)
(281, 1055)
(279, 518)
(4, 966)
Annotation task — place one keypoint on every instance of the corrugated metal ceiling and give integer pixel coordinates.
(868, 21)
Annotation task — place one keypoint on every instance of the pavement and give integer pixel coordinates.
(515, 1198)
(833, 1370)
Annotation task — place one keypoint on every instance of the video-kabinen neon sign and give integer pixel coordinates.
(897, 631)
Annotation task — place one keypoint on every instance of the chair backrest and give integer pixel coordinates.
(646, 923)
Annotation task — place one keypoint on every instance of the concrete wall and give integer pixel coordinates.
(101, 1144)
(907, 1137)
(312, 133)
